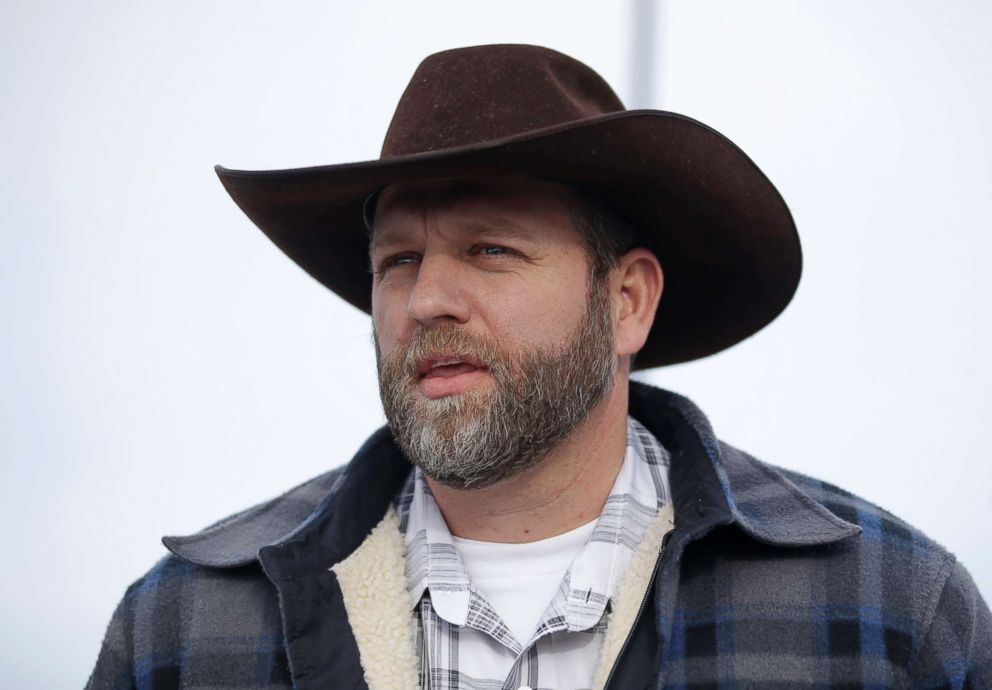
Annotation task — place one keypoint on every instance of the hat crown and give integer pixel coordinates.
(481, 94)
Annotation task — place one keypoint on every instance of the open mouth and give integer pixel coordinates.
(447, 374)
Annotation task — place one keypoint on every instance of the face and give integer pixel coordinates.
(492, 343)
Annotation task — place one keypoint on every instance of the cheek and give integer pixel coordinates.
(538, 315)
(387, 325)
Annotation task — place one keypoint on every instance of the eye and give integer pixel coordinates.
(395, 261)
(490, 250)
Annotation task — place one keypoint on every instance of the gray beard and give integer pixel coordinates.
(537, 398)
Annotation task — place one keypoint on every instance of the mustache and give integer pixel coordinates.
(448, 339)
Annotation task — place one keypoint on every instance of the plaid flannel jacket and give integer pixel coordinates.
(770, 579)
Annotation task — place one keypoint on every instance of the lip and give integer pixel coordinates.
(428, 364)
(449, 373)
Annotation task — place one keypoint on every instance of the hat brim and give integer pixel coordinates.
(725, 238)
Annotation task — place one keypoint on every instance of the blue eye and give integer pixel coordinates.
(492, 250)
(395, 262)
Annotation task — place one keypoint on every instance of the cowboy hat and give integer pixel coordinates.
(723, 234)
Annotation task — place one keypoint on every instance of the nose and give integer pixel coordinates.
(438, 295)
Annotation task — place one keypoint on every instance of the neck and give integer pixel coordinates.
(566, 489)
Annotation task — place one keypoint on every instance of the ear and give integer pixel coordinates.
(637, 281)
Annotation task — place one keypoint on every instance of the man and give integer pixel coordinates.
(530, 517)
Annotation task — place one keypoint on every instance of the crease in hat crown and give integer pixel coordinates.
(473, 95)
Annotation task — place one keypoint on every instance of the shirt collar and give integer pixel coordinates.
(640, 489)
(432, 562)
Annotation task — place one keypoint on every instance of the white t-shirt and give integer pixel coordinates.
(520, 580)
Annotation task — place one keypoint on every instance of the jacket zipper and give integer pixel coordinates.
(640, 612)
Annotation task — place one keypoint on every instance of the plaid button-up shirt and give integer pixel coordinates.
(463, 642)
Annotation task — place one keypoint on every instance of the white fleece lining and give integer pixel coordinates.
(631, 592)
(373, 583)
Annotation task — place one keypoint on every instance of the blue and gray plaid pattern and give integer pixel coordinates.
(769, 580)
(462, 639)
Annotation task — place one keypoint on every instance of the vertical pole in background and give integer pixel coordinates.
(643, 53)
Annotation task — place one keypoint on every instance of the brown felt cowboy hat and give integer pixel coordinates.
(723, 234)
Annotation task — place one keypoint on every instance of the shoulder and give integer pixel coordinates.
(235, 540)
(218, 565)
(882, 542)
(876, 526)
(883, 535)
(888, 591)
(207, 607)
(176, 586)
(182, 620)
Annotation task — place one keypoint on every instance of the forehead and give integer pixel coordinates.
(511, 202)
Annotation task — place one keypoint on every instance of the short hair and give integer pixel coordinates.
(608, 234)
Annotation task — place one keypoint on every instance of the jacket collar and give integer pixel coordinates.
(714, 483)
(337, 509)
(321, 522)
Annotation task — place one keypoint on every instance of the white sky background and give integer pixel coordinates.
(163, 365)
